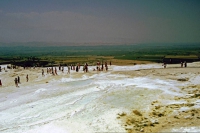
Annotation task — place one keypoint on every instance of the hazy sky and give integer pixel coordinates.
(122, 21)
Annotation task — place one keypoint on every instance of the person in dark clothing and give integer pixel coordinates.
(27, 78)
(42, 72)
(185, 63)
(181, 64)
(77, 68)
(18, 80)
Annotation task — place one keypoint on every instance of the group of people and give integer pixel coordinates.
(100, 66)
(182, 63)
(17, 80)
(185, 64)
(53, 70)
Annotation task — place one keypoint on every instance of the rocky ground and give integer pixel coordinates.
(168, 111)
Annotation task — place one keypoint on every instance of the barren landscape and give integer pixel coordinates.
(128, 98)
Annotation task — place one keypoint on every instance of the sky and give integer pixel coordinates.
(102, 21)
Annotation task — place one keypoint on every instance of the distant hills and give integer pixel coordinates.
(42, 44)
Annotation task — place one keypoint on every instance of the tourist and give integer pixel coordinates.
(62, 69)
(181, 64)
(56, 71)
(106, 65)
(164, 64)
(0, 83)
(59, 67)
(73, 66)
(77, 68)
(68, 69)
(16, 82)
(27, 78)
(52, 71)
(42, 72)
(86, 67)
(185, 63)
(98, 66)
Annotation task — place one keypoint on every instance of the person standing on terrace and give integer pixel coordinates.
(68, 69)
(0, 83)
(42, 72)
(185, 63)
(16, 82)
(27, 78)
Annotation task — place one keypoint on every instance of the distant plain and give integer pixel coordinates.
(47, 54)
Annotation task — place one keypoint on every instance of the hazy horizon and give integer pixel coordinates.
(95, 21)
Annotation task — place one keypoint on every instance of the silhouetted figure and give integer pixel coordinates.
(77, 68)
(68, 72)
(0, 83)
(42, 72)
(56, 71)
(185, 63)
(27, 78)
(181, 64)
(164, 64)
(62, 68)
(18, 80)
(73, 67)
(98, 66)
(86, 67)
(106, 65)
